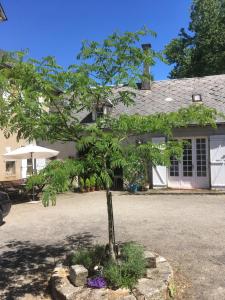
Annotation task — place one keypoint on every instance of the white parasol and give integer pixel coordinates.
(31, 152)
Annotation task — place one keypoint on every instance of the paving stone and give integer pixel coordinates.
(78, 275)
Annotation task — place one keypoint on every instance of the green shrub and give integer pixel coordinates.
(131, 267)
(89, 257)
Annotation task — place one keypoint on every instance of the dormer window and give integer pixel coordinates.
(196, 98)
(101, 111)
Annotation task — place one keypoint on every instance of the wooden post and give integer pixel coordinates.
(110, 225)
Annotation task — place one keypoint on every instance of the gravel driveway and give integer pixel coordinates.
(189, 230)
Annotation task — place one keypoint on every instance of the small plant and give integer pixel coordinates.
(89, 258)
(82, 257)
(172, 289)
(96, 282)
(131, 267)
(92, 183)
(81, 184)
(98, 183)
(87, 184)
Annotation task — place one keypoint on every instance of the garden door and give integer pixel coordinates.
(192, 171)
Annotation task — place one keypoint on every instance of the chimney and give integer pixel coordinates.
(146, 84)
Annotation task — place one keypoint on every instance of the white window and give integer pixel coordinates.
(10, 168)
(29, 166)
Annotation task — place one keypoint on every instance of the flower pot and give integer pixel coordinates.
(134, 188)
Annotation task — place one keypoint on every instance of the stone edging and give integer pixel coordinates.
(152, 287)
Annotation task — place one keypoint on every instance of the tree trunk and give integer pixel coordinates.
(110, 225)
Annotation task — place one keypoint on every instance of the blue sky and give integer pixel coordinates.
(56, 27)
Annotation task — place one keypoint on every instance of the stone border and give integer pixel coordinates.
(154, 286)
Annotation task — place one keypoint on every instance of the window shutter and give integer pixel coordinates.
(40, 163)
(159, 173)
(217, 161)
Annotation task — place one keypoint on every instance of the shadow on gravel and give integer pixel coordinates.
(26, 267)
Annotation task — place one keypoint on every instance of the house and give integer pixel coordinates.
(203, 162)
(12, 170)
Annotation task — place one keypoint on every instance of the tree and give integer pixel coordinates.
(40, 100)
(200, 51)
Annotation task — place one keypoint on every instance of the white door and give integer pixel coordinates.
(192, 171)
(217, 161)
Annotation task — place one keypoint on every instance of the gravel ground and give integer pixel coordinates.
(189, 230)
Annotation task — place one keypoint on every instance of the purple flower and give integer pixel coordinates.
(96, 282)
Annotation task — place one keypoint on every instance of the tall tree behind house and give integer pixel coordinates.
(200, 51)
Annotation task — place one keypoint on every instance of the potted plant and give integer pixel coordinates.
(92, 183)
(98, 183)
(87, 184)
(81, 184)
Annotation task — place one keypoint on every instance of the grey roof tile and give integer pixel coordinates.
(179, 92)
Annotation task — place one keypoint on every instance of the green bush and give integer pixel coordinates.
(89, 257)
(126, 272)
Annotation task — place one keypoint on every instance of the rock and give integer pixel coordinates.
(160, 259)
(61, 287)
(60, 271)
(98, 294)
(32, 297)
(152, 273)
(150, 258)
(118, 294)
(165, 270)
(129, 297)
(148, 289)
(78, 275)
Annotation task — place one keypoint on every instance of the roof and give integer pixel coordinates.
(2, 14)
(170, 95)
